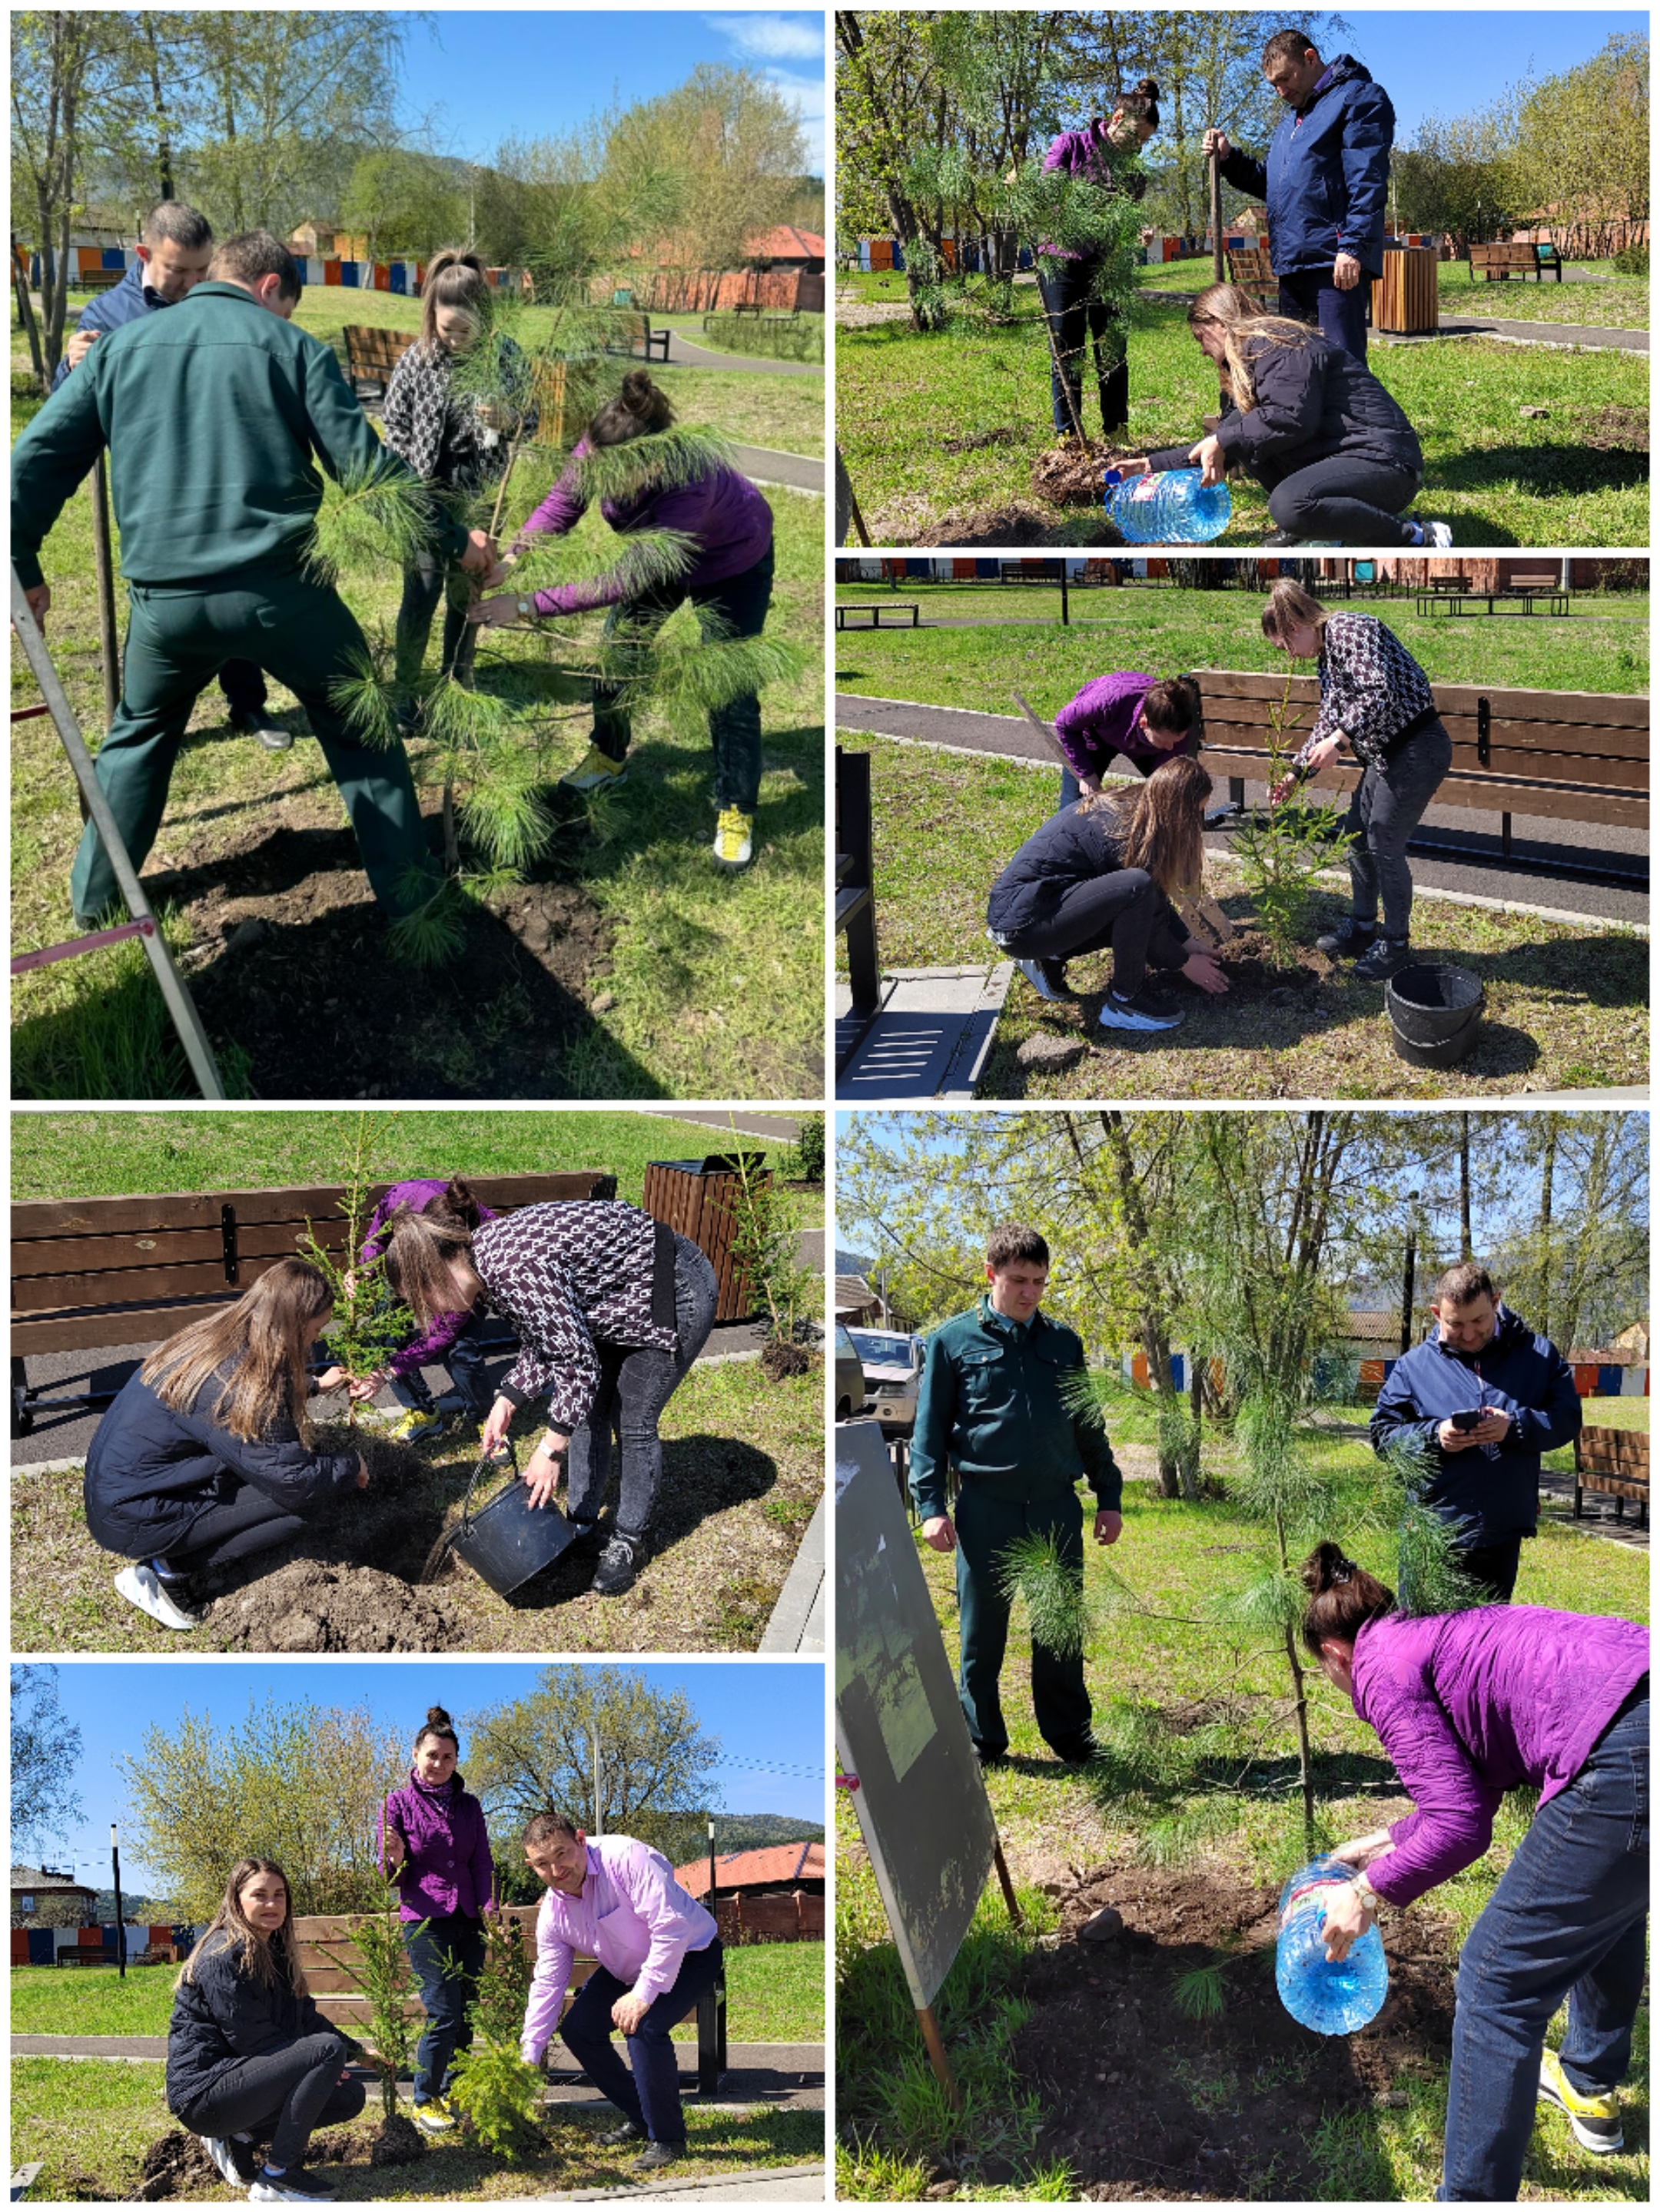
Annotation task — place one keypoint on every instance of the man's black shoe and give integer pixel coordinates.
(1282, 538)
(1078, 1755)
(991, 1758)
(629, 2132)
(1349, 938)
(656, 2155)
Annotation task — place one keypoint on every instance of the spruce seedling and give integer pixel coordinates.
(382, 1970)
(369, 1322)
(498, 2092)
(1283, 850)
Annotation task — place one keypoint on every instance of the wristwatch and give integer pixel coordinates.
(526, 610)
(1364, 1889)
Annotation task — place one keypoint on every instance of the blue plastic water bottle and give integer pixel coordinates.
(1170, 508)
(1332, 1999)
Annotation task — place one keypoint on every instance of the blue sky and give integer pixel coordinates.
(769, 1714)
(482, 77)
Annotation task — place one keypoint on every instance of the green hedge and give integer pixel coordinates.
(801, 339)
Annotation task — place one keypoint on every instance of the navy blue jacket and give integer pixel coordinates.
(122, 303)
(1071, 848)
(1327, 176)
(1314, 402)
(153, 1472)
(222, 2015)
(1525, 1377)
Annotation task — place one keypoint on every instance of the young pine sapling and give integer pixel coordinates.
(1283, 850)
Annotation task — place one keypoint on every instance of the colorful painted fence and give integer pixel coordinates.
(877, 254)
(1344, 1378)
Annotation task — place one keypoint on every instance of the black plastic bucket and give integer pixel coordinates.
(509, 1539)
(1431, 1004)
(1446, 1053)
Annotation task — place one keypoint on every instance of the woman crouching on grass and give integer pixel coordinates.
(611, 1309)
(1103, 873)
(616, 1900)
(250, 2058)
(436, 1848)
(205, 1457)
(1469, 1705)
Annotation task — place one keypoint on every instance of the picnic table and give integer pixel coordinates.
(1529, 594)
(876, 608)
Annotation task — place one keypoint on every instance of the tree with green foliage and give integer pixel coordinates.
(1285, 848)
(766, 1249)
(369, 1322)
(46, 1745)
(498, 2094)
(592, 1731)
(373, 1952)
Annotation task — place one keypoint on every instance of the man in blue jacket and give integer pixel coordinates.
(992, 1404)
(1325, 183)
(174, 254)
(1482, 1399)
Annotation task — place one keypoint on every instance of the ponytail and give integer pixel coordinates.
(1342, 1597)
(639, 409)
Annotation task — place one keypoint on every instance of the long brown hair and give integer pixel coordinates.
(1289, 608)
(1342, 1597)
(423, 1250)
(1160, 825)
(455, 278)
(1238, 318)
(267, 1959)
(639, 409)
(454, 1207)
(261, 1338)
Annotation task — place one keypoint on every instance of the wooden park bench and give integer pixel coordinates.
(372, 354)
(1539, 593)
(876, 609)
(632, 334)
(328, 1953)
(1511, 257)
(88, 1273)
(1559, 755)
(1250, 268)
(1615, 1461)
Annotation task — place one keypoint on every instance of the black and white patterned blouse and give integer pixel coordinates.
(442, 437)
(564, 1275)
(1370, 688)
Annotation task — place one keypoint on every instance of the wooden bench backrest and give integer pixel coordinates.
(106, 1270)
(1250, 265)
(328, 1949)
(1621, 1453)
(373, 351)
(1505, 254)
(1581, 755)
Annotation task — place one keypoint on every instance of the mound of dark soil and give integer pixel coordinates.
(1070, 474)
(397, 2142)
(1615, 430)
(308, 1607)
(1253, 973)
(779, 1358)
(1008, 435)
(176, 2164)
(1145, 2103)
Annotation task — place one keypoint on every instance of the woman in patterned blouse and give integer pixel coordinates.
(1377, 699)
(580, 1283)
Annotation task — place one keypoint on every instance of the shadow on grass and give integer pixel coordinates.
(1546, 471)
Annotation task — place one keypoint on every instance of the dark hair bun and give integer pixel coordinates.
(437, 1717)
(1322, 1566)
(638, 393)
(1147, 88)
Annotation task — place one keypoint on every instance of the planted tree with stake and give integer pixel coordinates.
(372, 1954)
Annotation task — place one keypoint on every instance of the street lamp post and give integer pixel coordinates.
(120, 1923)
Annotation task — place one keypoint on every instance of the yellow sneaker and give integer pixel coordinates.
(595, 771)
(732, 840)
(435, 2118)
(417, 1427)
(1594, 2120)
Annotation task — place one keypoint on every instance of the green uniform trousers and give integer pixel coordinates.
(985, 1524)
(303, 633)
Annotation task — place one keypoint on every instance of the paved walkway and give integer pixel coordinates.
(1519, 332)
(683, 353)
(1542, 883)
(773, 2185)
(765, 464)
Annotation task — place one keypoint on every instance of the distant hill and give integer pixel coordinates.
(753, 1831)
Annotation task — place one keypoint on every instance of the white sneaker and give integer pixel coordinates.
(1032, 970)
(1437, 536)
(1137, 1014)
(219, 2149)
(140, 1586)
(734, 842)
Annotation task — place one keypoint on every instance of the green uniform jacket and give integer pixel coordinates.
(212, 414)
(990, 1405)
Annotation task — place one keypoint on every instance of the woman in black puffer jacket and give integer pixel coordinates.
(1102, 873)
(1339, 460)
(250, 2058)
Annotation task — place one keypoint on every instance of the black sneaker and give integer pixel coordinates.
(656, 2155)
(1280, 539)
(991, 1758)
(295, 2187)
(1055, 975)
(1387, 958)
(630, 2131)
(1077, 1754)
(261, 728)
(1349, 938)
(1144, 1013)
(235, 2161)
(619, 1563)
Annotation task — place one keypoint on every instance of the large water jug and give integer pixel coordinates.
(1170, 508)
(1332, 1999)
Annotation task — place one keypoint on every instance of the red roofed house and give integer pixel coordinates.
(775, 1894)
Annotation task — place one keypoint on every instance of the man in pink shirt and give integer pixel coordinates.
(616, 1900)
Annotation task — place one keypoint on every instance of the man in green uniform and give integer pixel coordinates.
(213, 414)
(990, 1405)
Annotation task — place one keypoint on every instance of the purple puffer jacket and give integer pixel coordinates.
(428, 1349)
(722, 511)
(1106, 719)
(1469, 1706)
(447, 1866)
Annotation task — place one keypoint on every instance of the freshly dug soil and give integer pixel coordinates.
(779, 1359)
(288, 960)
(1070, 474)
(397, 2142)
(1615, 430)
(175, 2164)
(1253, 974)
(1145, 2103)
(1008, 435)
(308, 1607)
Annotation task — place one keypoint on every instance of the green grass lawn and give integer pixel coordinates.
(940, 433)
(1566, 1004)
(1602, 645)
(89, 2125)
(1160, 1679)
(774, 1994)
(713, 984)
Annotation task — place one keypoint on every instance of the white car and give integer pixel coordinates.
(892, 1360)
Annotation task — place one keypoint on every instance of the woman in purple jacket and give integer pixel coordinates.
(454, 1339)
(1469, 1706)
(1135, 719)
(729, 584)
(1067, 279)
(437, 1851)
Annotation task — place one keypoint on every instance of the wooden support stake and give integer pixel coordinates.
(937, 2057)
(109, 643)
(1009, 1897)
(1218, 259)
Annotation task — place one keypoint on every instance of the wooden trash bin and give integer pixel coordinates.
(1406, 299)
(700, 1198)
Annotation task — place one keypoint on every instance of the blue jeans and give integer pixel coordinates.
(447, 1955)
(650, 2095)
(466, 1361)
(1567, 1920)
(1308, 296)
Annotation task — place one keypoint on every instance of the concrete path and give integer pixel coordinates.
(782, 1128)
(773, 2185)
(798, 1618)
(1591, 336)
(764, 464)
(1542, 883)
(684, 353)
(1597, 1513)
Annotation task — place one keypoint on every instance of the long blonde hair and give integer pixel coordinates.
(1160, 825)
(423, 1252)
(1237, 316)
(267, 1959)
(262, 1338)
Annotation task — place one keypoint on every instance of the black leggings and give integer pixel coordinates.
(1349, 498)
(246, 1523)
(282, 2096)
(1120, 910)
